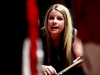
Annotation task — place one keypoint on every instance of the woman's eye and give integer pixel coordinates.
(51, 18)
(59, 18)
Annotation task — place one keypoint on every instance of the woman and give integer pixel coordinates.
(60, 40)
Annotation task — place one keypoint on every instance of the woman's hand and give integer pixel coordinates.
(48, 70)
(78, 58)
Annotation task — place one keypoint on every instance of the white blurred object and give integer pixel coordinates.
(40, 56)
(25, 58)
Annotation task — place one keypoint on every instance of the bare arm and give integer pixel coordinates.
(77, 46)
(48, 70)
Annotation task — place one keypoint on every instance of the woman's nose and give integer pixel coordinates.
(55, 20)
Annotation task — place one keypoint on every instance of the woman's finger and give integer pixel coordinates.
(76, 59)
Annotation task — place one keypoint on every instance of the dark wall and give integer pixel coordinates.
(14, 31)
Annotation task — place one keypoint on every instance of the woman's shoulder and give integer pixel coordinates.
(73, 33)
(73, 30)
(42, 29)
(42, 32)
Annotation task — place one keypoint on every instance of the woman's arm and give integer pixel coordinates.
(77, 46)
(48, 70)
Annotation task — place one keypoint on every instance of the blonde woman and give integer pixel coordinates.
(60, 40)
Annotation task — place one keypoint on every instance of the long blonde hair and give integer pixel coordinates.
(67, 38)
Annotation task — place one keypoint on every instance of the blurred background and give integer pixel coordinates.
(16, 26)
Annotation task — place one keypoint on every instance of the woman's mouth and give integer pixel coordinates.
(54, 27)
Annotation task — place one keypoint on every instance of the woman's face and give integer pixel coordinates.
(55, 22)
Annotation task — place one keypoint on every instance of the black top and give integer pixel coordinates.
(58, 56)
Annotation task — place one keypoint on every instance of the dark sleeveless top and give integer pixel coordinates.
(58, 56)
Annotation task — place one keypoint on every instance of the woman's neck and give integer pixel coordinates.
(56, 40)
(56, 43)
